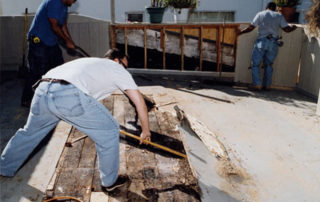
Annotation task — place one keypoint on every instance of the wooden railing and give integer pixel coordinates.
(222, 34)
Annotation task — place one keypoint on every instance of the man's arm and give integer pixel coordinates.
(136, 97)
(289, 28)
(246, 30)
(60, 33)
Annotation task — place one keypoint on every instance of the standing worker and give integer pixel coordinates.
(266, 46)
(44, 53)
(70, 92)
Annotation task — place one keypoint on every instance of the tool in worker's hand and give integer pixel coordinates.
(23, 68)
(69, 144)
(154, 144)
(84, 52)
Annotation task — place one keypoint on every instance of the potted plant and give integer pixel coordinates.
(156, 10)
(181, 8)
(287, 8)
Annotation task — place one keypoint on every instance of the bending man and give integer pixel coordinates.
(70, 92)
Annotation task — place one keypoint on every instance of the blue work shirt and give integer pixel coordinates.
(269, 22)
(41, 26)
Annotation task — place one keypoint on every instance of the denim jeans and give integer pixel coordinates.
(264, 50)
(53, 102)
(41, 58)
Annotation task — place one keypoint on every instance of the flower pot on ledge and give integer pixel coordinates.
(155, 14)
(180, 15)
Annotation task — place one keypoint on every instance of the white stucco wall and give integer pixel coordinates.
(244, 10)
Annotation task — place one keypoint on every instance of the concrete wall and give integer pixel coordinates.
(90, 34)
(285, 66)
(244, 10)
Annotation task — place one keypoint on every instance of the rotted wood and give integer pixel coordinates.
(76, 169)
(155, 175)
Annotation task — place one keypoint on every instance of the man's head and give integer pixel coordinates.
(68, 2)
(271, 6)
(118, 56)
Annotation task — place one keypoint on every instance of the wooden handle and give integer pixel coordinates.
(154, 144)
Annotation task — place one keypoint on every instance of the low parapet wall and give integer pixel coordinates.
(90, 34)
(297, 64)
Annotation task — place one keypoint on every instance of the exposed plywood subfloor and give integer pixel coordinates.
(155, 175)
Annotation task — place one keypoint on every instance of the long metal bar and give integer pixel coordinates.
(154, 144)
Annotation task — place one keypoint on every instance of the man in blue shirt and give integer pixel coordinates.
(266, 46)
(48, 26)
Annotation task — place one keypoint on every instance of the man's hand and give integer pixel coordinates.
(70, 44)
(145, 136)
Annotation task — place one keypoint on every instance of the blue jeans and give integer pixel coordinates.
(41, 58)
(265, 50)
(53, 102)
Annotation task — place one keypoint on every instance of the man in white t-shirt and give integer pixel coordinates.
(266, 46)
(71, 92)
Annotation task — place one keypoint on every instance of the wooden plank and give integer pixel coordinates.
(176, 26)
(72, 154)
(126, 41)
(88, 154)
(163, 45)
(218, 45)
(113, 37)
(200, 46)
(75, 182)
(145, 46)
(182, 47)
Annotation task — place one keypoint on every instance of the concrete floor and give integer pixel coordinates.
(272, 137)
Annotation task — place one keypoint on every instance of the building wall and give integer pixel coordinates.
(244, 10)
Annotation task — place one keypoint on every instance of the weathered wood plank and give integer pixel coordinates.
(88, 154)
(72, 154)
(74, 182)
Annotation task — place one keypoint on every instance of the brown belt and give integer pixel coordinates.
(63, 82)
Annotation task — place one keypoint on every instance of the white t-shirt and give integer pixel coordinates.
(269, 23)
(97, 77)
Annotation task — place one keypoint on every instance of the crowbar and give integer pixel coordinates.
(154, 144)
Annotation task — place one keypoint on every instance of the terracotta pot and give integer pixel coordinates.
(287, 12)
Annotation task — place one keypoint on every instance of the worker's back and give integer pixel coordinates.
(269, 22)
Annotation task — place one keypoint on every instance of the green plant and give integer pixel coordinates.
(287, 3)
(182, 3)
(158, 3)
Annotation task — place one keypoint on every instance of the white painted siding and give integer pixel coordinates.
(244, 10)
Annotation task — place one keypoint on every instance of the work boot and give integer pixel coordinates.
(121, 181)
(255, 88)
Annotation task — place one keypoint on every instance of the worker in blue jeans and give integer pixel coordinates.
(266, 45)
(48, 26)
(71, 92)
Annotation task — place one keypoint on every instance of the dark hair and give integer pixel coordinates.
(115, 53)
(272, 6)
